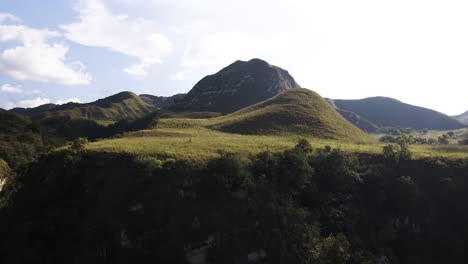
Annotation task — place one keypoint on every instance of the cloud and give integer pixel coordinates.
(179, 76)
(8, 88)
(30, 103)
(221, 49)
(98, 27)
(38, 60)
(6, 16)
(71, 100)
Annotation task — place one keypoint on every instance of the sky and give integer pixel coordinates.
(56, 51)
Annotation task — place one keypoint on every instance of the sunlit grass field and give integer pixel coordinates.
(189, 139)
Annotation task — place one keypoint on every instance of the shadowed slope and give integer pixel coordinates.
(116, 107)
(462, 117)
(388, 112)
(239, 85)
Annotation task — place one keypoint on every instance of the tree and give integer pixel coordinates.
(331, 250)
(78, 145)
(443, 140)
(4, 171)
(304, 146)
(399, 151)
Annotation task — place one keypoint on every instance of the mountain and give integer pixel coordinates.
(161, 101)
(295, 111)
(124, 105)
(355, 119)
(462, 117)
(388, 112)
(239, 85)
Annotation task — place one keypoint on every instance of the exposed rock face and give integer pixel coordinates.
(239, 85)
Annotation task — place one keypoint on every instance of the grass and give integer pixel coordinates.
(124, 105)
(198, 144)
(295, 111)
(459, 134)
(275, 125)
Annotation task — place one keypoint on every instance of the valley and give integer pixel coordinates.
(247, 167)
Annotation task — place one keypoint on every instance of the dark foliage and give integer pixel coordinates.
(297, 206)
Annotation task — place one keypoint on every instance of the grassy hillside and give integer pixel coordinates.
(198, 140)
(161, 101)
(388, 112)
(189, 139)
(124, 105)
(296, 111)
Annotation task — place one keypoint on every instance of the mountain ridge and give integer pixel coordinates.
(389, 112)
(115, 107)
(241, 84)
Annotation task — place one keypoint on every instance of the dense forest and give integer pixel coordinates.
(301, 205)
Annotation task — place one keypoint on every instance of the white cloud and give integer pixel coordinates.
(71, 100)
(38, 60)
(179, 76)
(221, 49)
(8, 88)
(30, 103)
(98, 27)
(6, 16)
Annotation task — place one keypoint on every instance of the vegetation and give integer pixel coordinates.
(190, 139)
(21, 142)
(300, 205)
(295, 111)
(124, 105)
(287, 180)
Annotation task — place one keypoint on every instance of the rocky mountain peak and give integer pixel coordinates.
(236, 86)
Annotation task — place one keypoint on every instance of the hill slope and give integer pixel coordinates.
(116, 107)
(295, 111)
(388, 112)
(161, 101)
(355, 119)
(239, 85)
(462, 118)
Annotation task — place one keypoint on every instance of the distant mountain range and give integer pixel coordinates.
(388, 112)
(246, 84)
(120, 106)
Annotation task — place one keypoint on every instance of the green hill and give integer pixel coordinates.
(161, 101)
(388, 112)
(295, 111)
(124, 105)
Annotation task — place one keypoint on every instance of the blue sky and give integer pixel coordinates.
(81, 50)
